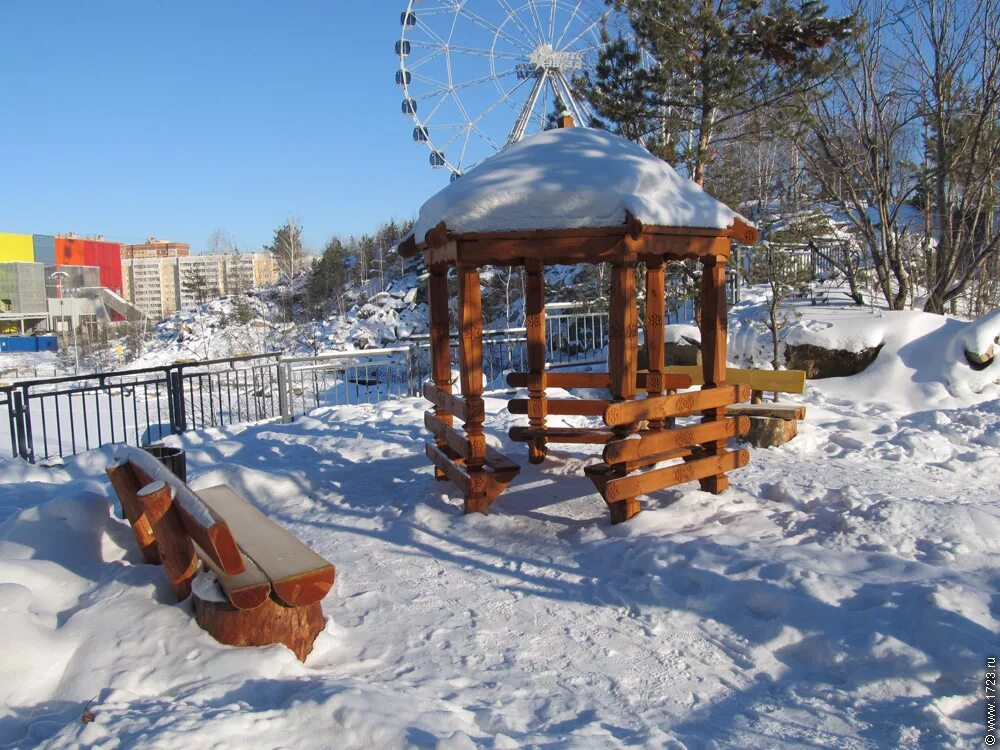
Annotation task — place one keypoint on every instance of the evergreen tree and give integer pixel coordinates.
(329, 278)
(700, 69)
(196, 286)
(239, 282)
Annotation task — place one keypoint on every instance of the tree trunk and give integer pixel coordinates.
(272, 622)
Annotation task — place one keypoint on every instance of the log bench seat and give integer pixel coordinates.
(270, 584)
(771, 424)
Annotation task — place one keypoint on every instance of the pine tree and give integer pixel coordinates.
(698, 70)
(329, 278)
(195, 285)
(238, 285)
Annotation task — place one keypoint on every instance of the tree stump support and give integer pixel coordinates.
(271, 622)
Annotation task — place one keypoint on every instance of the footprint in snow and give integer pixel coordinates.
(765, 605)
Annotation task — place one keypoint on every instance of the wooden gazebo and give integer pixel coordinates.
(638, 432)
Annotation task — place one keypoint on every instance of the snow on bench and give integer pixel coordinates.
(273, 583)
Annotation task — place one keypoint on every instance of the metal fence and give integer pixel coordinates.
(66, 415)
(70, 414)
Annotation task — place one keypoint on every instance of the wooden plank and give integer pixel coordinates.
(298, 575)
(177, 555)
(246, 590)
(126, 487)
(626, 467)
(457, 442)
(208, 531)
(780, 381)
(562, 406)
(446, 435)
(452, 404)
(784, 411)
(622, 488)
(583, 435)
(677, 405)
(588, 249)
(651, 443)
(673, 381)
(468, 484)
(532, 241)
(651, 246)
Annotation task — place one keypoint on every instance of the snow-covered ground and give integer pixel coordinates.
(844, 593)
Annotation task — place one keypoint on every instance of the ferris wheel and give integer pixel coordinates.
(479, 75)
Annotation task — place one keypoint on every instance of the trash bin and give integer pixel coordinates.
(172, 458)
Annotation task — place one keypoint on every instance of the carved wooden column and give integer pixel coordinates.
(623, 357)
(534, 320)
(714, 327)
(437, 301)
(655, 314)
(470, 356)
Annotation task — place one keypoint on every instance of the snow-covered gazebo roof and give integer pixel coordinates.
(572, 179)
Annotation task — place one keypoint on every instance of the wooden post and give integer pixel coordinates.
(623, 357)
(470, 356)
(655, 315)
(176, 551)
(440, 354)
(534, 320)
(714, 326)
(127, 488)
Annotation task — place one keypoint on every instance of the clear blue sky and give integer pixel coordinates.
(132, 118)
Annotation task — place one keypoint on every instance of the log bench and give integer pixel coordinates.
(270, 584)
(771, 424)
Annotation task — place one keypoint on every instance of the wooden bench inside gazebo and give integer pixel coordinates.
(644, 449)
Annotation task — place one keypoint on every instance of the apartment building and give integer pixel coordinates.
(161, 285)
(156, 248)
(152, 285)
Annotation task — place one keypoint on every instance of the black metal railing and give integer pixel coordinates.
(57, 417)
(224, 392)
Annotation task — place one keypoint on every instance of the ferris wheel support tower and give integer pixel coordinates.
(480, 75)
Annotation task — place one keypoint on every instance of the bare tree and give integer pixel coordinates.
(856, 144)
(952, 64)
(288, 250)
(219, 242)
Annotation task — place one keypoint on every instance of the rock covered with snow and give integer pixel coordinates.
(571, 178)
(913, 360)
(981, 339)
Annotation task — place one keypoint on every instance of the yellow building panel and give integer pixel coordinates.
(16, 247)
